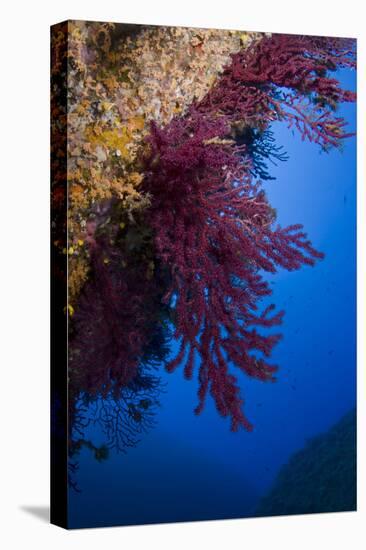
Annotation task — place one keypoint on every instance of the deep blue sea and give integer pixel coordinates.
(192, 468)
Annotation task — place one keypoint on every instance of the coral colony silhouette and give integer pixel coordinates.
(117, 344)
(187, 263)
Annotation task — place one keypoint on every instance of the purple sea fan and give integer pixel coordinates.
(116, 314)
(286, 77)
(108, 335)
(214, 230)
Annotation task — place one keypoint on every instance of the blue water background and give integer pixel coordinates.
(191, 467)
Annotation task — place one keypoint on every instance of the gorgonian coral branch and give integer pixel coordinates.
(286, 77)
(214, 228)
(114, 325)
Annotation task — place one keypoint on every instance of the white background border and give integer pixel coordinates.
(24, 249)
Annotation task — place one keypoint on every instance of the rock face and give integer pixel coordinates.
(319, 478)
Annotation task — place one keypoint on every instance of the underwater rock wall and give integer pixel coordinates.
(321, 477)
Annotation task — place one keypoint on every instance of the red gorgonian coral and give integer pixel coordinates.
(214, 228)
(117, 312)
(286, 77)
